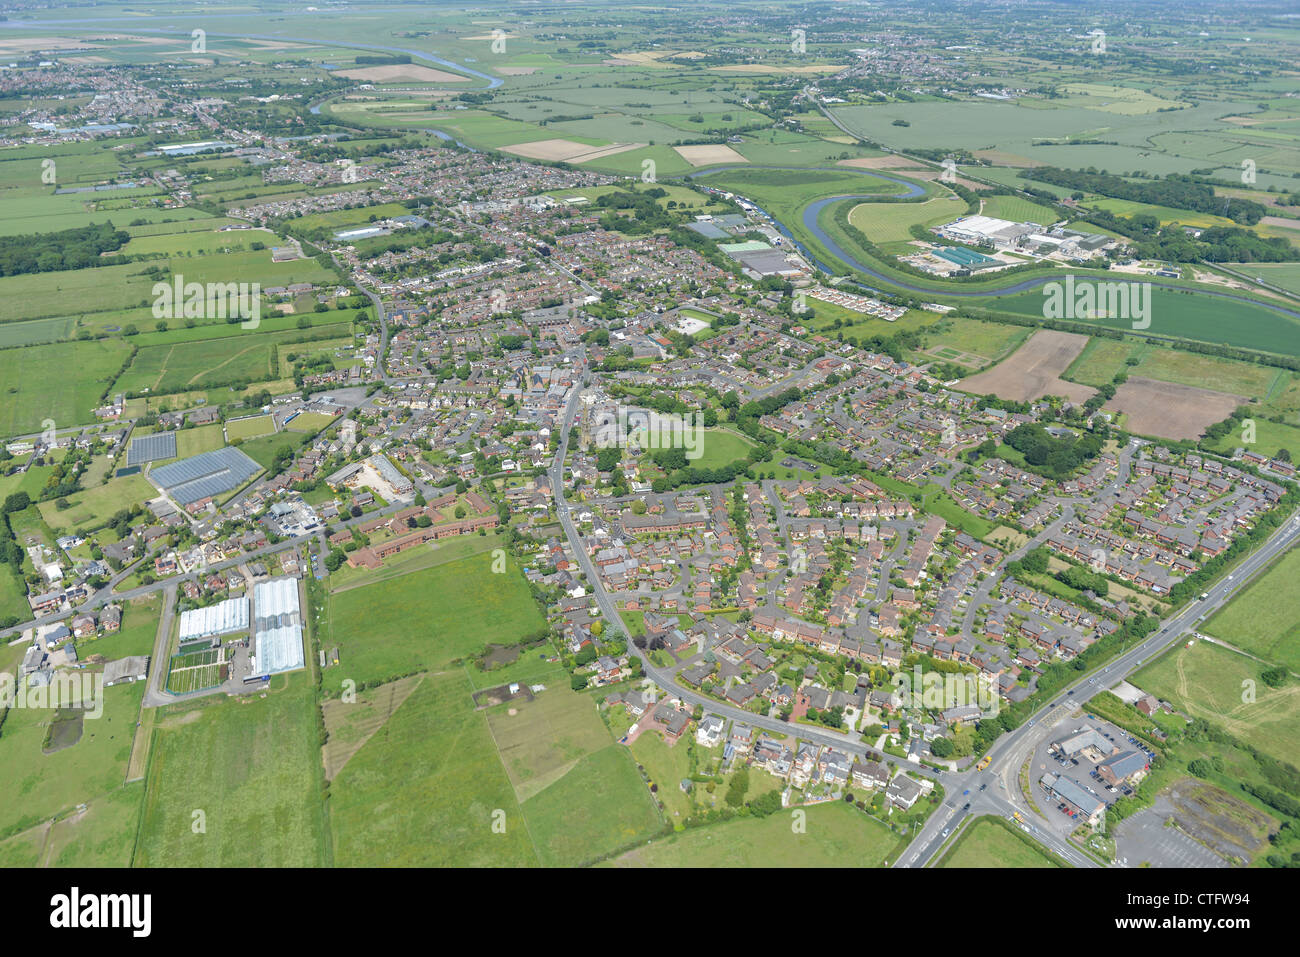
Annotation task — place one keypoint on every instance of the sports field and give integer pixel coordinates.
(1206, 681)
(427, 619)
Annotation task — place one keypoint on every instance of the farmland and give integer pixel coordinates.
(84, 371)
(1264, 620)
(253, 768)
(429, 618)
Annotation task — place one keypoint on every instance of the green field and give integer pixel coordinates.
(1019, 210)
(50, 784)
(993, 842)
(1264, 620)
(84, 372)
(1206, 681)
(892, 222)
(1102, 359)
(1187, 315)
(427, 619)
(837, 835)
(253, 768)
(239, 357)
(94, 507)
(423, 792)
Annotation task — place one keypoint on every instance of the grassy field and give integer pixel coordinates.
(84, 372)
(892, 222)
(1206, 681)
(250, 427)
(1101, 359)
(993, 842)
(253, 767)
(1264, 620)
(1019, 210)
(600, 805)
(46, 785)
(424, 791)
(186, 365)
(836, 836)
(427, 619)
(94, 507)
(1190, 316)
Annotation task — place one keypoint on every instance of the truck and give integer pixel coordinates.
(984, 763)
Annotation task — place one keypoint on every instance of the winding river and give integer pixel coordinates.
(811, 213)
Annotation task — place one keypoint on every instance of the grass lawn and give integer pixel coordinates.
(427, 619)
(1264, 620)
(253, 767)
(993, 842)
(836, 835)
(200, 439)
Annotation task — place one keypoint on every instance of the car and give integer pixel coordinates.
(966, 806)
(1071, 691)
(1074, 761)
(945, 832)
(983, 786)
(964, 793)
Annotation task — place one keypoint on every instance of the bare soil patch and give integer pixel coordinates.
(709, 154)
(1034, 370)
(402, 73)
(567, 151)
(1168, 410)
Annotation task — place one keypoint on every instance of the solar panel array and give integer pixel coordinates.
(151, 448)
(205, 476)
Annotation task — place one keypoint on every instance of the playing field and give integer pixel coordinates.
(991, 842)
(836, 836)
(253, 768)
(1206, 681)
(429, 618)
(1264, 620)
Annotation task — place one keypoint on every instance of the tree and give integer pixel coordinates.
(941, 748)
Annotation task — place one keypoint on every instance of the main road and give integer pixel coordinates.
(1001, 779)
